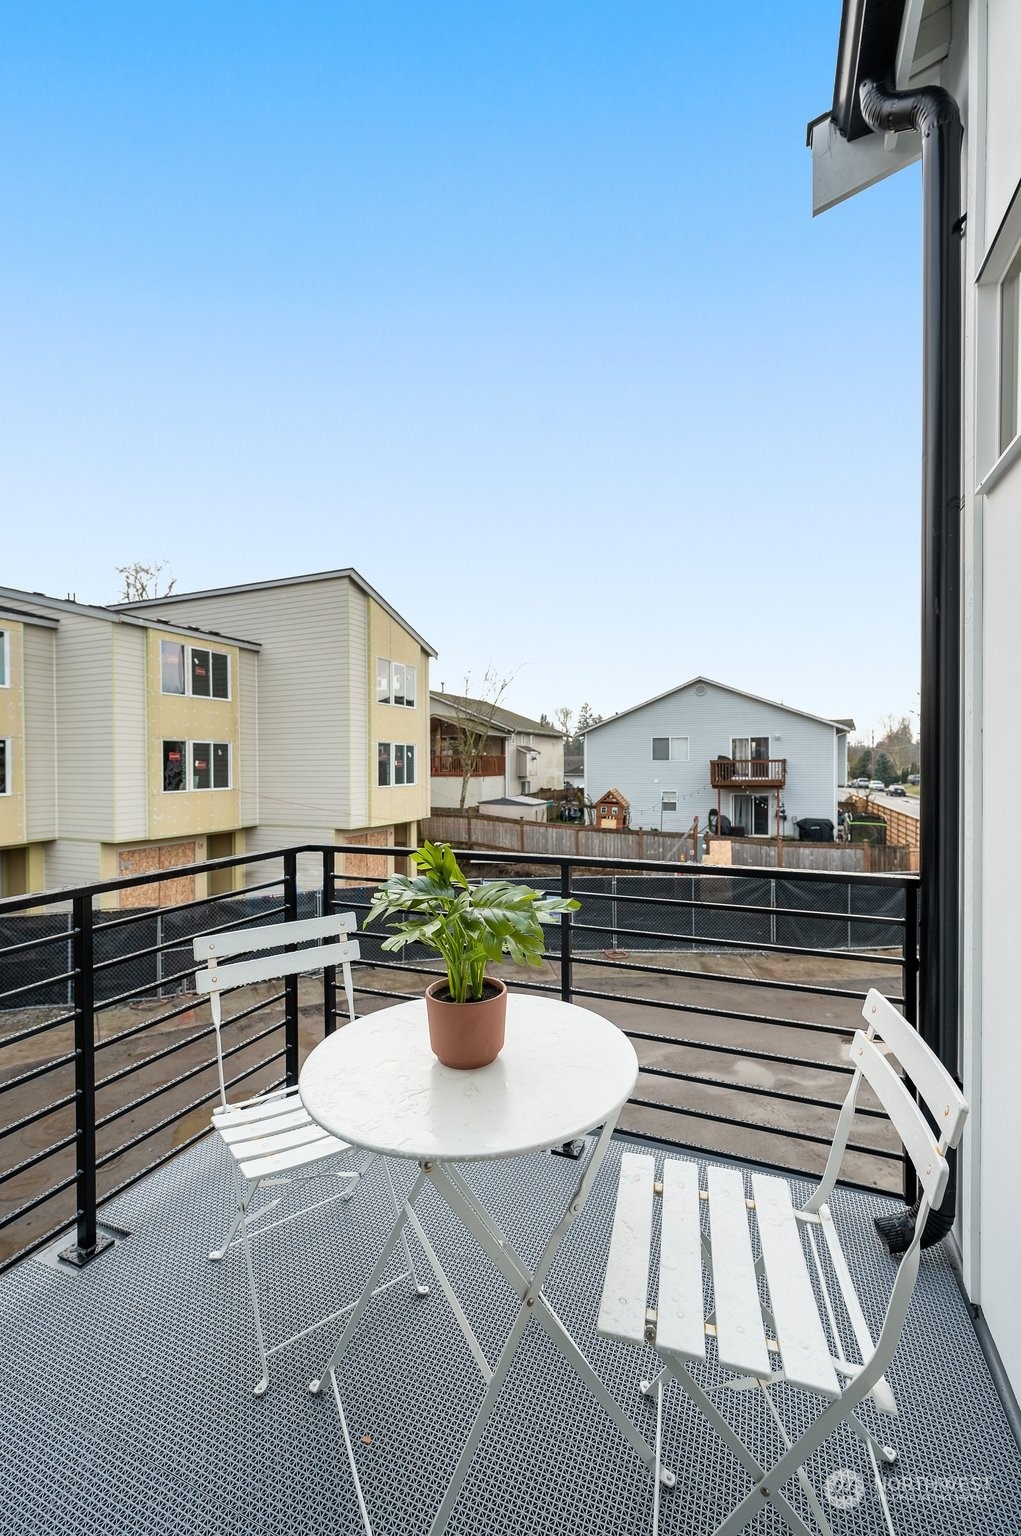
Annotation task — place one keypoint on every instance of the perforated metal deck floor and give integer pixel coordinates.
(128, 1406)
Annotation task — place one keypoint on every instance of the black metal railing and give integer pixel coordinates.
(739, 988)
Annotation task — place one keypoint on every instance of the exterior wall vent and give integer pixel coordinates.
(700, 689)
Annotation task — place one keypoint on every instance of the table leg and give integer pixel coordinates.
(450, 1184)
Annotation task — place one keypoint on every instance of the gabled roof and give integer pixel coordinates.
(612, 794)
(115, 615)
(503, 720)
(708, 682)
(22, 617)
(347, 573)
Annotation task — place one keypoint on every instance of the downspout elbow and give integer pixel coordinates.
(926, 110)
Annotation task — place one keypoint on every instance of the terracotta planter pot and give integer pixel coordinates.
(466, 1035)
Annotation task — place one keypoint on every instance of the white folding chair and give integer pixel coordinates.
(272, 1139)
(795, 1336)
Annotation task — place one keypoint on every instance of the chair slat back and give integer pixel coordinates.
(240, 941)
(217, 977)
(945, 1101)
(269, 967)
(912, 1127)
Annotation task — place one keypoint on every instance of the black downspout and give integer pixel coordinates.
(934, 113)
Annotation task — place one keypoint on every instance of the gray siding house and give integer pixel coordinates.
(706, 746)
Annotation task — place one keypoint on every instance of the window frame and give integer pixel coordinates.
(671, 757)
(189, 653)
(5, 658)
(189, 747)
(408, 757)
(8, 766)
(387, 677)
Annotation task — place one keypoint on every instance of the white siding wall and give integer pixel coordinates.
(992, 544)
(71, 861)
(131, 798)
(248, 737)
(618, 755)
(545, 771)
(40, 734)
(85, 743)
(445, 792)
(354, 707)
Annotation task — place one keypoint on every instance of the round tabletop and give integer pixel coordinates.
(376, 1084)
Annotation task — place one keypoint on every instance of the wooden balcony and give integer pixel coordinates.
(448, 766)
(748, 772)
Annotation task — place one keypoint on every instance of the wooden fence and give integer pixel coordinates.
(469, 829)
(901, 829)
(841, 858)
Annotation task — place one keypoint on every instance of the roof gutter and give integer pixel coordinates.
(934, 114)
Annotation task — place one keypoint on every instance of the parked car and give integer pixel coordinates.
(896, 789)
(861, 784)
(876, 784)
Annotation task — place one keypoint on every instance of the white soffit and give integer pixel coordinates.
(840, 169)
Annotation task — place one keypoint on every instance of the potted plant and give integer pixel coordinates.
(468, 925)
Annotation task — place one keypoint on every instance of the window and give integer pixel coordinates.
(171, 666)
(190, 669)
(1010, 337)
(208, 761)
(395, 763)
(670, 749)
(4, 660)
(669, 801)
(395, 683)
(173, 765)
(5, 771)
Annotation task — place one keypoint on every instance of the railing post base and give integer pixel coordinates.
(79, 1257)
(573, 1149)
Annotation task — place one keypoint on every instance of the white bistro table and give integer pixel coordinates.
(563, 1071)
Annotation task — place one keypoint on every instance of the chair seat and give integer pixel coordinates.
(273, 1136)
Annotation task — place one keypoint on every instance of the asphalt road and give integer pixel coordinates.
(906, 803)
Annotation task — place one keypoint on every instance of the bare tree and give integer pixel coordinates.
(472, 722)
(141, 581)
(563, 717)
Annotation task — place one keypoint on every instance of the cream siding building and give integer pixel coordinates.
(342, 756)
(89, 719)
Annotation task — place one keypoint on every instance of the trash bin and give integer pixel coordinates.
(866, 829)
(815, 829)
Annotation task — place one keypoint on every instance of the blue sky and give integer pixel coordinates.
(518, 308)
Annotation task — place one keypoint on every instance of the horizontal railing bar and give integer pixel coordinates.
(34, 1030)
(35, 986)
(144, 1025)
(806, 988)
(148, 1061)
(763, 909)
(746, 1052)
(37, 1158)
(202, 1066)
(751, 1018)
(32, 1205)
(168, 1120)
(755, 1088)
(684, 941)
(784, 1132)
(38, 1114)
(706, 1153)
(709, 1013)
(146, 914)
(62, 937)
